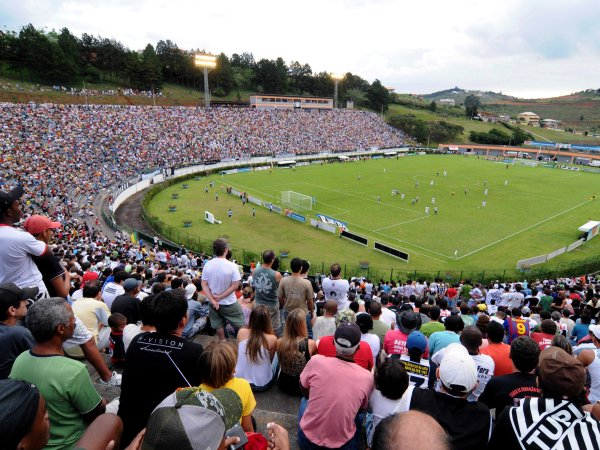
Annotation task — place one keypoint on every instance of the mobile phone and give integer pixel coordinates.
(238, 431)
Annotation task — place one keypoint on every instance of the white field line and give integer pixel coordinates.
(525, 229)
(356, 225)
(401, 223)
(249, 189)
(362, 197)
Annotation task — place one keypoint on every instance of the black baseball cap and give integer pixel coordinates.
(7, 198)
(11, 294)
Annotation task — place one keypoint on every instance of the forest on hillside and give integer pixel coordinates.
(61, 58)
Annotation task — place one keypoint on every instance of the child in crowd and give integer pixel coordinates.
(116, 348)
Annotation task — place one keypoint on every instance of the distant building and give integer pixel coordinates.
(550, 123)
(503, 118)
(295, 102)
(446, 102)
(488, 117)
(530, 118)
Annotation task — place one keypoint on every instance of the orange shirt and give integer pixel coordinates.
(500, 353)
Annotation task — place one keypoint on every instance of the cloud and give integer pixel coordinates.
(513, 46)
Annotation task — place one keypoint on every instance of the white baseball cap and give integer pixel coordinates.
(595, 329)
(458, 371)
(190, 289)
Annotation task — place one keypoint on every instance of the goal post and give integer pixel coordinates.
(296, 200)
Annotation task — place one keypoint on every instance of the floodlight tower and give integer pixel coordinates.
(206, 62)
(336, 79)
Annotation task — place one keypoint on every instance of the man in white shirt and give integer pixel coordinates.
(220, 279)
(336, 288)
(115, 288)
(17, 247)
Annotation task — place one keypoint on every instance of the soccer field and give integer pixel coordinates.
(528, 211)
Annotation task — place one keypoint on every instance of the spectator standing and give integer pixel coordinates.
(265, 282)
(591, 360)
(335, 287)
(295, 292)
(220, 279)
(54, 275)
(17, 247)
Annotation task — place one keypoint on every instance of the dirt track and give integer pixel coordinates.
(130, 213)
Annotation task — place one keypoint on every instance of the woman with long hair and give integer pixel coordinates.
(256, 350)
(216, 369)
(294, 350)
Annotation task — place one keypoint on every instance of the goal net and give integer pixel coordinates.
(296, 201)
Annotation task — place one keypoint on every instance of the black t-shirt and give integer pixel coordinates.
(150, 376)
(128, 306)
(507, 390)
(50, 268)
(467, 423)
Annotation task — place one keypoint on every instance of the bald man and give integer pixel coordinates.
(411, 430)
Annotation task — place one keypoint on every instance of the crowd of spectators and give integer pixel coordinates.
(396, 364)
(368, 359)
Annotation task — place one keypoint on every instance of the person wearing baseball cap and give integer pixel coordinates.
(363, 355)
(14, 339)
(54, 275)
(415, 365)
(194, 419)
(18, 247)
(339, 389)
(467, 423)
(557, 419)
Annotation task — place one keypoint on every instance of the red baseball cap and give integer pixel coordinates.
(37, 224)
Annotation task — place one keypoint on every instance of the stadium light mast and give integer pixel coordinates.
(336, 79)
(206, 62)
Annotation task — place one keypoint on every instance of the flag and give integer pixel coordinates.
(134, 237)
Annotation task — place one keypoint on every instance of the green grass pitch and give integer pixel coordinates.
(536, 212)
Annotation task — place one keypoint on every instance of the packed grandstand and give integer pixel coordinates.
(502, 351)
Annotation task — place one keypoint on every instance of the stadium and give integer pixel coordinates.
(273, 267)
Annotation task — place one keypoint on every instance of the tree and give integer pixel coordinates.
(379, 96)
(151, 74)
(472, 105)
(433, 106)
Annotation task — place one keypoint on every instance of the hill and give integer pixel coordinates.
(458, 95)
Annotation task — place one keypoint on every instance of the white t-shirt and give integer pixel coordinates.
(373, 341)
(485, 371)
(220, 274)
(381, 407)
(16, 265)
(336, 290)
(388, 316)
(111, 290)
(129, 332)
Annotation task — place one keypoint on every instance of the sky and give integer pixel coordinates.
(525, 48)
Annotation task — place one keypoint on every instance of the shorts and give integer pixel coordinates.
(226, 313)
(274, 314)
